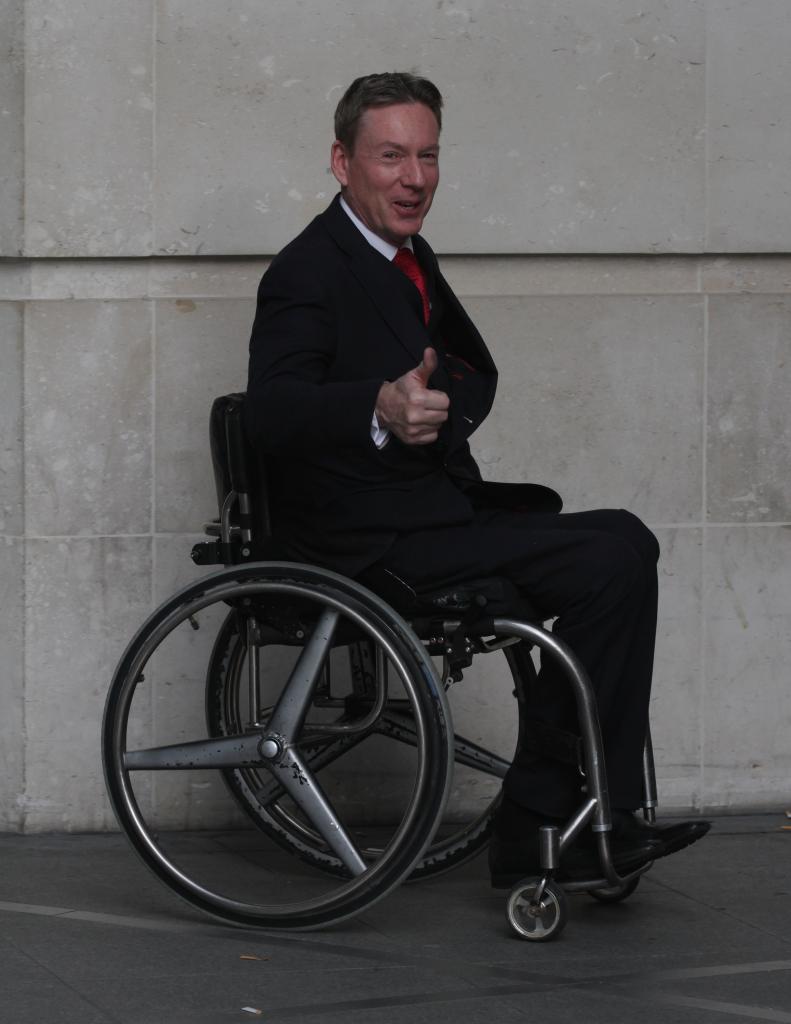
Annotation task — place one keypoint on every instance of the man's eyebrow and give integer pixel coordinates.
(399, 146)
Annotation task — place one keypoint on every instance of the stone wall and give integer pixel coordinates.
(614, 211)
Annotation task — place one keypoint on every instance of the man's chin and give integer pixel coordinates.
(406, 226)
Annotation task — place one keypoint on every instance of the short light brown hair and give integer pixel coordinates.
(382, 91)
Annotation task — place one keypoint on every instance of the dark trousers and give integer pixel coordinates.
(595, 572)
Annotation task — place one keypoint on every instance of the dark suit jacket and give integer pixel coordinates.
(334, 320)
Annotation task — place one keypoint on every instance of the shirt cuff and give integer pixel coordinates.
(379, 435)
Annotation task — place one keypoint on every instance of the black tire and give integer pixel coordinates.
(132, 769)
(454, 844)
(537, 921)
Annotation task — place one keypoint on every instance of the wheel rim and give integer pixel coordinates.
(415, 675)
(536, 921)
(460, 841)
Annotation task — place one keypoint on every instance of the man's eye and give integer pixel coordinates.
(390, 156)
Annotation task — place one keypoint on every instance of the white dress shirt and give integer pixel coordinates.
(379, 435)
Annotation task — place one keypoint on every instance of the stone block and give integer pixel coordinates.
(12, 127)
(12, 728)
(747, 708)
(84, 599)
(14, 280)
(746, 273)
(749, 431)
(590, 141)
(206, 278)
(201, 354)
(749, 126)
(89, 115)
(570, 275)
(89, 279)
(88, 418)
(240, 102)
(600, 397)
(11, 471)
(676, 693)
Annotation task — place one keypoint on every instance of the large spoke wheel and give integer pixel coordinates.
(162, 768)
(346, 761)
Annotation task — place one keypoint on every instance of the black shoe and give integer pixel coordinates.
(671, 838)
(513, 857)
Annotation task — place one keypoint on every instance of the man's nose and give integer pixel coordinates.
(413, 173)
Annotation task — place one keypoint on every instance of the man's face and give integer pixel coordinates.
(391, 177)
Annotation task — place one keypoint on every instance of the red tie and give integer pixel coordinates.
(406, 261)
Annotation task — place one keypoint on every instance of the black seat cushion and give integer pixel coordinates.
(485, 597)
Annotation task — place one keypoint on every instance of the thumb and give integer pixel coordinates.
(427, 366)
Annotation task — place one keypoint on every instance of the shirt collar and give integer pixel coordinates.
(385, 248)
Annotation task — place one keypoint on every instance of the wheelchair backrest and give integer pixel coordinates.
(239, 473)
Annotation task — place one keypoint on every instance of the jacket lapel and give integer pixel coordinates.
(378, 278)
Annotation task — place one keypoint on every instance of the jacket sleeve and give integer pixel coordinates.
(295, 405)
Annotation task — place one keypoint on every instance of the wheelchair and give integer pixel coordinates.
(316, 685)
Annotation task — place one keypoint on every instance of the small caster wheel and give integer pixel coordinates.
(615, 893)
(537, 920)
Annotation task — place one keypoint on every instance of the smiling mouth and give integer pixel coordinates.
(404, 204)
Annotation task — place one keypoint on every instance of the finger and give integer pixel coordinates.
(434, 400)
(426, 421)
(427, 365)
(424, 437)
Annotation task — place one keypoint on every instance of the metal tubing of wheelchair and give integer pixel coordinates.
(220, 752)
(367, 723)
(225, 517)
(586, 711)
(292, 707)
(577, 823)
(303, 787)
(253, 670)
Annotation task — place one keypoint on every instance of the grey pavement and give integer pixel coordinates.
(89, 936)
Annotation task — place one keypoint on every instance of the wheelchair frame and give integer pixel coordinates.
(316, 610)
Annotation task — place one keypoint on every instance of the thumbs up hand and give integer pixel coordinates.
(409, 408)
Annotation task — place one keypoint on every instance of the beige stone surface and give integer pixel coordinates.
(201, 354)
(88, 418)
(84, 598)
(14, 279)
(746, 273)
(11, 464)
(12, 126)
(678, 677)
(749, 126)
(749, 428)
(570, 275)
(89, 137)
(600, 397)
(592, 141)
(12, 717)
(747, 705)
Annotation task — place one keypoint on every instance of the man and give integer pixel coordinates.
(366, 380)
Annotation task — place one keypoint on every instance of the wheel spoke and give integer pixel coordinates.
(315, 759)
(304, 789)
(474, 756)
(222, 752)
(398, 726)
(292, 707)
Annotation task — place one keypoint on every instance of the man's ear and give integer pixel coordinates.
(339, 162)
